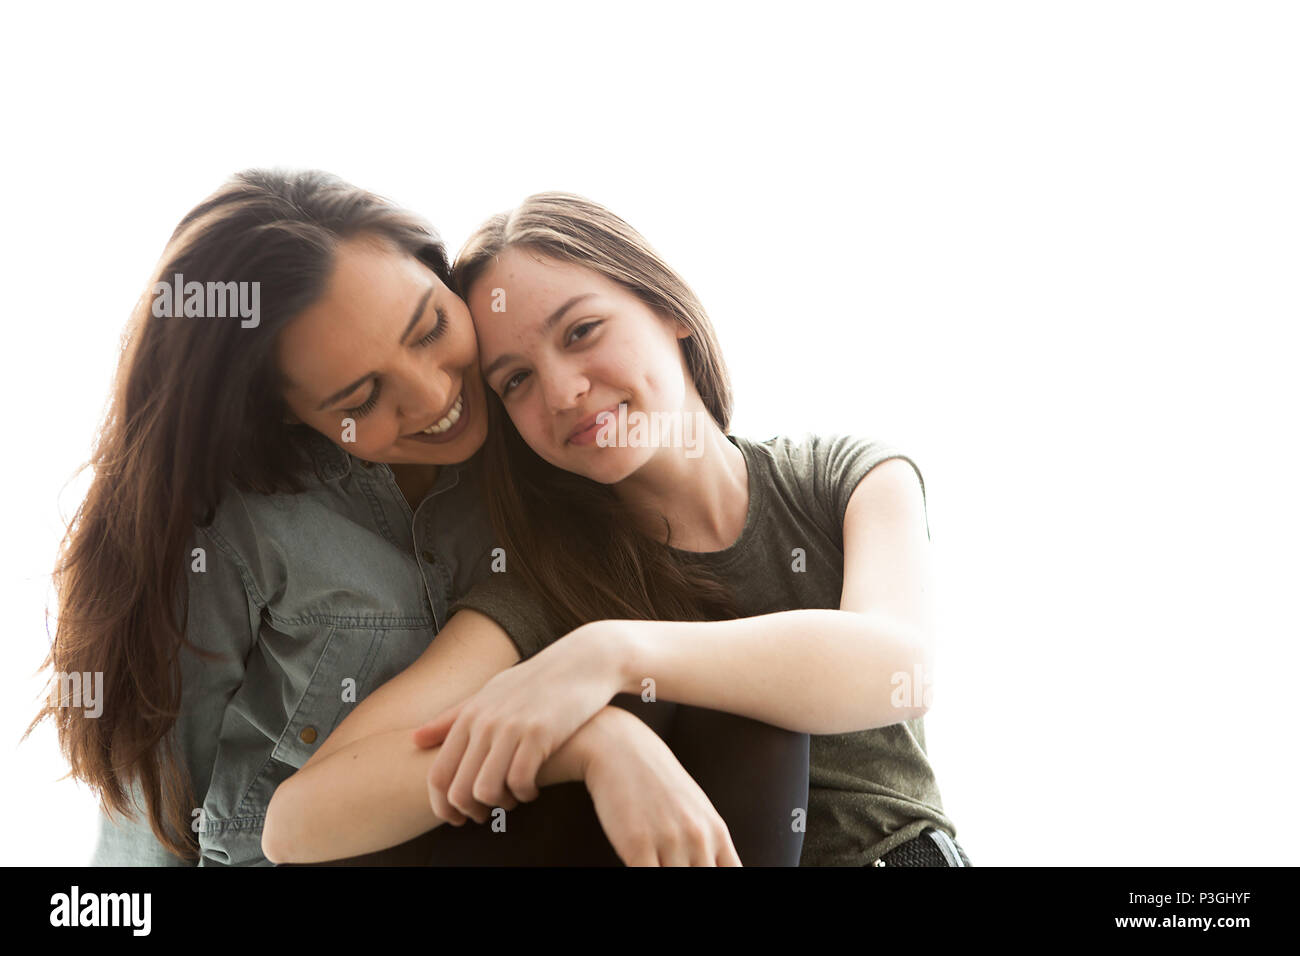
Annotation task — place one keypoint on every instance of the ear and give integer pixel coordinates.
(683, 332)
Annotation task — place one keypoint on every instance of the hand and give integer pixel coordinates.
(652, 811)
(495, 742)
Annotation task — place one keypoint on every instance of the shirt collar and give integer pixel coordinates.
(331, 462)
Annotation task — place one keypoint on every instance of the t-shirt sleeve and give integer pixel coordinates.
(840, 462)
(515, 608)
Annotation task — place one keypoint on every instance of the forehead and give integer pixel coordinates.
(367, 301)
(520, 288)
(370, 276)
(528, 281)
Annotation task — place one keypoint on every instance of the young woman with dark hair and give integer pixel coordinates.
(230, 566)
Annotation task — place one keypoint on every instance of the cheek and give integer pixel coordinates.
(531, 422)
(660, 376)
(617, 362)
(465, 344)
(365, 439)
(339, 430)
(643, 360)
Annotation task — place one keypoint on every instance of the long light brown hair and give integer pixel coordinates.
(581, 550)
(197, 405)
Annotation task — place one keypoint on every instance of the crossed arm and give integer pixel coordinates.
(814, 671)
(327, 810)
(493, 733)
(366, 788)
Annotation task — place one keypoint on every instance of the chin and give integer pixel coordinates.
(605, 468)
(452, 453)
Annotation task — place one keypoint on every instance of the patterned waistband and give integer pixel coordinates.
(931, 848)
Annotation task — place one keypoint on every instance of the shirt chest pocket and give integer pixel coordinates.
(352, 663)
(338, 680)
(338, 666)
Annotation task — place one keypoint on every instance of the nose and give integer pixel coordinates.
(424, 393)
(563, 386)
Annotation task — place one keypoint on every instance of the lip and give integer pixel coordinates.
(451, 433)
(588, 424)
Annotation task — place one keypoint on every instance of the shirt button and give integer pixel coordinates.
(428, 556)
(308, 735)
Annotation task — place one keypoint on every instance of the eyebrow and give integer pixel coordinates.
(415, 319)
(546, 327)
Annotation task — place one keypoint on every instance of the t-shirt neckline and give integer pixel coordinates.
(752, 511)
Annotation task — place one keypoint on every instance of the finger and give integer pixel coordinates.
(699, 838)
(448, 759)
(490, 784)
(438, 801)
(461, 791)
(431, 734)
(641, 853)
(673, 850)
(521, 778)
(702, 851)
(727, 855)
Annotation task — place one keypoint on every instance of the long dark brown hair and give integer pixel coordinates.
(580, 549)
(197, 404)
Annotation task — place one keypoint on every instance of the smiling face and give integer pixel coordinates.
(569, 344)
(391, 348)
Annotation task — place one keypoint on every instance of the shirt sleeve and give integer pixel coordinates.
(515, 608)
(840, 462)
(129, 840)
(218, 621)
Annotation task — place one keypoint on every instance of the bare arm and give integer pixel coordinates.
(327, 809)
(462, 657)
(372, 793)
(819, 671)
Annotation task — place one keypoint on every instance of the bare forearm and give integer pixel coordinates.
(373, 793)
(812, 671)
(368, 795)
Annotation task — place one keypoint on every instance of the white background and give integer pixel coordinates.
(1047, 249)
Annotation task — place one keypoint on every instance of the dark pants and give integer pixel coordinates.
(754, 774)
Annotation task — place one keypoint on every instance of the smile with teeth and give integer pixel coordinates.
(451, 418)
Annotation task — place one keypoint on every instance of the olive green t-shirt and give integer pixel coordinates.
(870, 790)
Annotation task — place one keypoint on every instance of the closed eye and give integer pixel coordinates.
(437, 331)
(368, 406)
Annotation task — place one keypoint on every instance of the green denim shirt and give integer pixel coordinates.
(312, 600)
